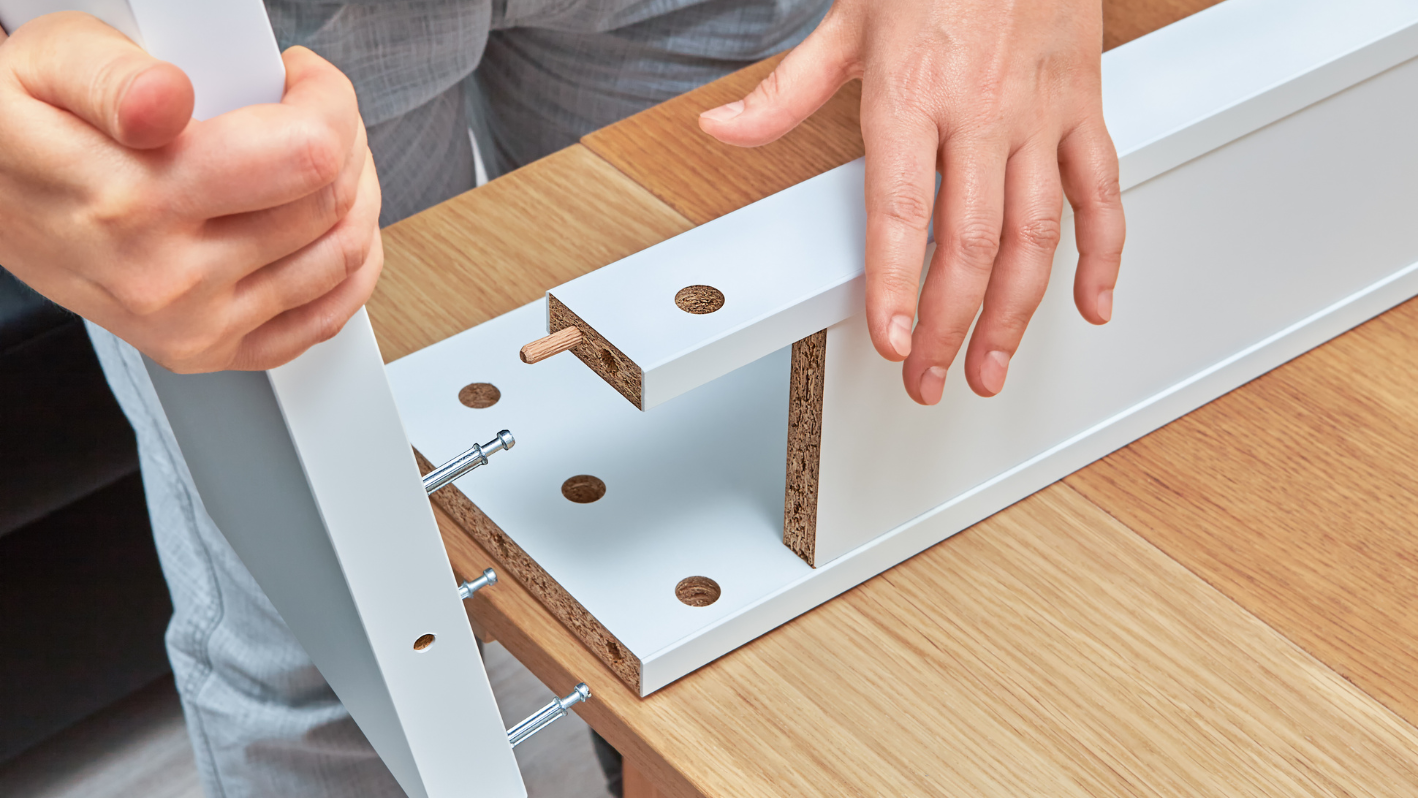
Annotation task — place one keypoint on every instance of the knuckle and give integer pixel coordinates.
(326, 325)
(187, 353)
(319, 156)
(1041, 234)
(1108, 192)
(975, 245)
(1014, 318)
(351, 248)
(907, 206)
(152, 291)
(896, 283)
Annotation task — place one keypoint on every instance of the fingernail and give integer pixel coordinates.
(1105, 305)
(993, 371)
(724, 112)
(900, 334)
(932, 384)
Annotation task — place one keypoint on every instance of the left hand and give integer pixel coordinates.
(1004, 99)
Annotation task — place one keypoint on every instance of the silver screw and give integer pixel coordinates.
(467, 589)
(467, 461)
(547, 715)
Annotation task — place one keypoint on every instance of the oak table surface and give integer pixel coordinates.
(1225, 607)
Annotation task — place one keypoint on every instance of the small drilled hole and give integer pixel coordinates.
(423, 642)
(608, 360)
(697, 591)
(479, 395)
(583, 489)
(699, 299)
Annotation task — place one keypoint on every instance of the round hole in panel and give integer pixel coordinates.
(423, 642)
(699, 299)
(479, 395)
(583, 489)
(697, 591)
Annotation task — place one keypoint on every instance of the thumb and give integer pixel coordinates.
(73, 61)
(808, 77)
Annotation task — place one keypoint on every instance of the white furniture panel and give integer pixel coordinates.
(1223, 252)
(791, 265)
(1271, 186)
(308, 473)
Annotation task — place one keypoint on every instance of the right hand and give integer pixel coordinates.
(232, 243)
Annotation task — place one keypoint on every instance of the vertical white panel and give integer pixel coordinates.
(1222, 252)
(307, 472)
(340, 412)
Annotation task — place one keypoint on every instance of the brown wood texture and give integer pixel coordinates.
(805, 386)
(636, 784)
(554, 344)
(1297, 496)
(664, 150)
(1046, 651)
(601, 356)
(495, 249)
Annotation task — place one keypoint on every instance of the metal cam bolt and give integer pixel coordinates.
(467, 461)
(547, 715)
(467, 589)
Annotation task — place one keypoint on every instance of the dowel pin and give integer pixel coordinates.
(553, 344)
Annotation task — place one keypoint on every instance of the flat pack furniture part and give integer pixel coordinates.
(1270, 188)
(308, 473)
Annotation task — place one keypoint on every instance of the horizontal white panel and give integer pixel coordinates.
(793, 263)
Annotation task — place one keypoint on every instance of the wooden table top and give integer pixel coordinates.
(1227, 607)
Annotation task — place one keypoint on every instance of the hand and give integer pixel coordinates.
(1003, 98)
(232, 243)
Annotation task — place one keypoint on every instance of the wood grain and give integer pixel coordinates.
(664, 150)
(1125, 20)
(1046, 651)
(554, 344)
(503, 245)
(1297, 496)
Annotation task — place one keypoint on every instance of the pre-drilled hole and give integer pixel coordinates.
(423, 642)
(608, 360)
(479, 395)
(697, 591)
(583, 489)
(699, 299)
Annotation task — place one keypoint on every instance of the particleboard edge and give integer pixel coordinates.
(475, 523)
(600, 355)
(805, 389)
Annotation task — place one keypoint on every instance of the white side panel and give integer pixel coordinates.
(1222, 252)
(792, 264)
(340, 412)
(308, 473)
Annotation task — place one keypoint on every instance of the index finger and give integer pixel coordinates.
(265, 156)
(900, 194)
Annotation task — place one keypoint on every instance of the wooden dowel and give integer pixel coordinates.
(553, 344)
